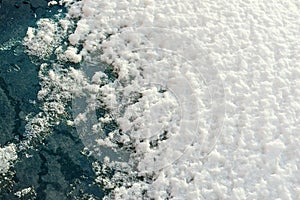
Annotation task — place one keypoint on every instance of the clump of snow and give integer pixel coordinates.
(47, 39)
(26, 191)
(8, 155)
(52, 3)
(72, 55)
(42, 41)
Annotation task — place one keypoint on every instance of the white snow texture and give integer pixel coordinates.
(197, 51)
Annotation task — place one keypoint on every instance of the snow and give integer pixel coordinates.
(25, 191)
(52, 3)
(8, 155)
(183, 58)
(43, 40)
(72, 56)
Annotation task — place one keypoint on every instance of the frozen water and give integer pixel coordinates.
(154, 112)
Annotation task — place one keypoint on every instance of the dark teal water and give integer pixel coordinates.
(55, 166)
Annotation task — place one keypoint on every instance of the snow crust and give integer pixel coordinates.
(175, 60)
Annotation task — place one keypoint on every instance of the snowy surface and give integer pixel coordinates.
(181, 58)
